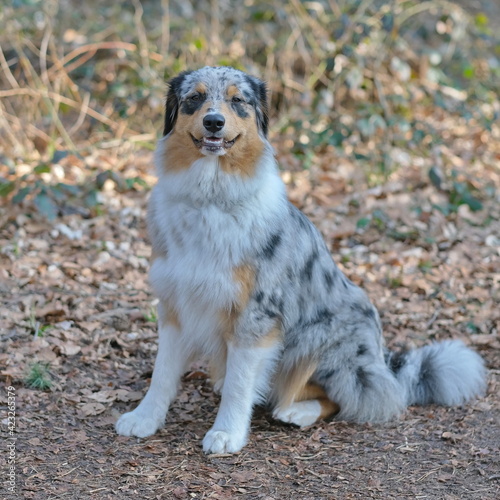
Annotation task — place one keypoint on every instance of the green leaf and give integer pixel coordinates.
(21, 194)
(46, 206)
(363, 223)
(42, 169)
(435, 177)
(6, 188)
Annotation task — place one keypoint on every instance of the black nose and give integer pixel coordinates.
(214, 122)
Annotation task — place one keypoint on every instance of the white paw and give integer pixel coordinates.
(138, 423)
(218, 385)
(302, 413)
(223, 442)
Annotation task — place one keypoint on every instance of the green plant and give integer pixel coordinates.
(38, 376)
(151, 315)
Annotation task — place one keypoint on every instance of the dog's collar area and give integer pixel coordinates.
(213, 144)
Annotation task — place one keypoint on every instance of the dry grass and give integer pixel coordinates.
(81, 74)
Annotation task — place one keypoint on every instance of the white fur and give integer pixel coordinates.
(230, 431)
(301, 413)
(149, 416)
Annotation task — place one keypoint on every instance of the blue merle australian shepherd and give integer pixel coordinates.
(245, 280)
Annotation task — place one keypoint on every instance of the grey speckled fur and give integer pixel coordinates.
(325, 318)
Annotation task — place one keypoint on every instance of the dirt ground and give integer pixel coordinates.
(74, 294)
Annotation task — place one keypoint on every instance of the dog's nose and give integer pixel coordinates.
(214, 122)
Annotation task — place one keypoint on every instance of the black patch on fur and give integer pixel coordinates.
(260, 104)
(396, 361)
(278, 303)
(172, 103)
(362, 378)
(362, 349)
(307, 272)
(323, 316)
(190, 106)
(299, 217)
(259, 297)
(427, 380)
(325, 375)
(239, 108)
(366, 311)
(270, 313)
(329, 279)
(270, 248)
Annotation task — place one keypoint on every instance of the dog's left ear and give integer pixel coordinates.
(261, 107)
(173, 100)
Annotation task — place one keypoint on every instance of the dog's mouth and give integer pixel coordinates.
(213, 144)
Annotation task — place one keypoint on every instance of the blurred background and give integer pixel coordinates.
(385, 122)
(371, 86)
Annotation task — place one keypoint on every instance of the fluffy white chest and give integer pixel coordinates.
(204, 247)
(210, 223)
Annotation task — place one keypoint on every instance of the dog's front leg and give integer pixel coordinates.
(230, 431)
(150, 415)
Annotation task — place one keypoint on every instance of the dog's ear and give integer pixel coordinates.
(261, 107)
(173, 100)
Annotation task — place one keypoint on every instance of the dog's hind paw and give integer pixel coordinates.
(136, 423)
(302, 413)
(223, 442)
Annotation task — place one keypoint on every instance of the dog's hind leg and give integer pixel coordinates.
(301, 402)
(150, 415)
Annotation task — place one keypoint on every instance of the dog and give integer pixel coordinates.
(245, 279)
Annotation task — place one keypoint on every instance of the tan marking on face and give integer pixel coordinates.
(180, 150)
(201, 88)
(232, 90)
(243, 156)
(168, 315)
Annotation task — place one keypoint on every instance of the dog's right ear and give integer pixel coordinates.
(173, 100)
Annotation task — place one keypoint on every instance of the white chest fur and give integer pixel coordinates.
(210, 222)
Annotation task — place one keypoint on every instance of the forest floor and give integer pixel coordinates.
(74, 294)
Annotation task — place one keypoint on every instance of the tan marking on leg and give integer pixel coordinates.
(244, 276)
(217, 368)
(168, 315)
(314, 391)
(290, 383)
(294, 385)
(271, 339)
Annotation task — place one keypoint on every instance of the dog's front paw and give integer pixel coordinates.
(138, 423)
(223, 441)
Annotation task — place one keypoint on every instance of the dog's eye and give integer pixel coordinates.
(195, 97)
(237, 99)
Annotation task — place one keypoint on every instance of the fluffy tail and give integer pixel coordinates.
(446, 373)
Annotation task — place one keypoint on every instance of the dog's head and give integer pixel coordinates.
(216, 111)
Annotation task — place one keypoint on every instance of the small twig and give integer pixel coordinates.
(141, 33)
(82, 115)
(5, 67)
(70, 102)
(433, 318)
